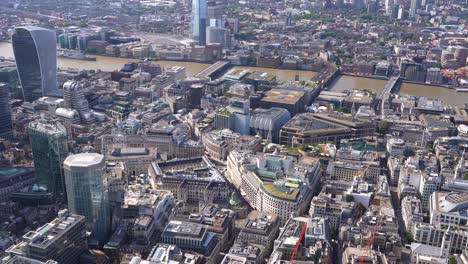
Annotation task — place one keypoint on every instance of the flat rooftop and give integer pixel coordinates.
(283, 96)
(84, 160)
(46, 235)
(181, 228)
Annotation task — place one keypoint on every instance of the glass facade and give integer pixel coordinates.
(35, 52)
(199, 21)
(87, 191)
(5, 112)
(49, 148)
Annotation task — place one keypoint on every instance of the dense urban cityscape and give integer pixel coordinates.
(233, 132)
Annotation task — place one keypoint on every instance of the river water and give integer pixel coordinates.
(448, 96)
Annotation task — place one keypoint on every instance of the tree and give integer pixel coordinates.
(452, 260)
(345, 110)
(382, 127)
(409, 237)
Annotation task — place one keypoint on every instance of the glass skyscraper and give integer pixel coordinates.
(49, 148)
(6, 131)
(199, 21)
(35, 52)
(87, 191)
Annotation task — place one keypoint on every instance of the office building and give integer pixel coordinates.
(461, 54)
(13, 179)
(235, 117)
(219, 144)
(219, 35)
(314, 246)
(388, 7)
(415, 5)
(49, 148)
(199, 21)
(87, 191)
(24, 260)
(291, 100)
(140, 201)
(452, 239)
(191, 180)
(323, 128)
(274, 184)
(35, 52)
(240, 108)
(427, 186)
(241, 253)
(449, 209)
(6, 126)
(412, 71)
(267, 123)
(426, 254)
(333, 206)
(411, 212)
(62, 240)
(260, 229)
(434, 76)
(353, 255)
(191, 237)
(74, 98)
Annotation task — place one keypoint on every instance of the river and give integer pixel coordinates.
(111, 63)
(448, 96)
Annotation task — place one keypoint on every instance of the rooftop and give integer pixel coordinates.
(182, 228)
(200, 168)
(84, 160)
(283, 96)
(281, 191)
(46, 235)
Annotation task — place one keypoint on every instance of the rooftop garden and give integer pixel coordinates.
(225, 112)
(282, 191)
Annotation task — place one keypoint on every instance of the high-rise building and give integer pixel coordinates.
(87, 191)
(74, 98)
(219, 35)
(49, 148)
(215, 14)
(5, 112)
(241, 114)
(394, 11)
(401, 12)
(415, 5)
(388, 7)
(358, 4)
(35, 52)
(199, 21)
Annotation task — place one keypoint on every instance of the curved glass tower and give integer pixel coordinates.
(35, 52)
(199, 20)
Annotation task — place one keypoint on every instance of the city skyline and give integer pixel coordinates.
(233, 132)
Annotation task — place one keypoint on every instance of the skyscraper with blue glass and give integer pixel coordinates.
(199, 21)
(35, 52)
(87, 192)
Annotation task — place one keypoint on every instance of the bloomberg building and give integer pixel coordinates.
(35, 52)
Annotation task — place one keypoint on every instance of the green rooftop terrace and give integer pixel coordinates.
(281, 192)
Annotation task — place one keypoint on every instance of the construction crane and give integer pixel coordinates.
(369, 243)
(298, 243)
